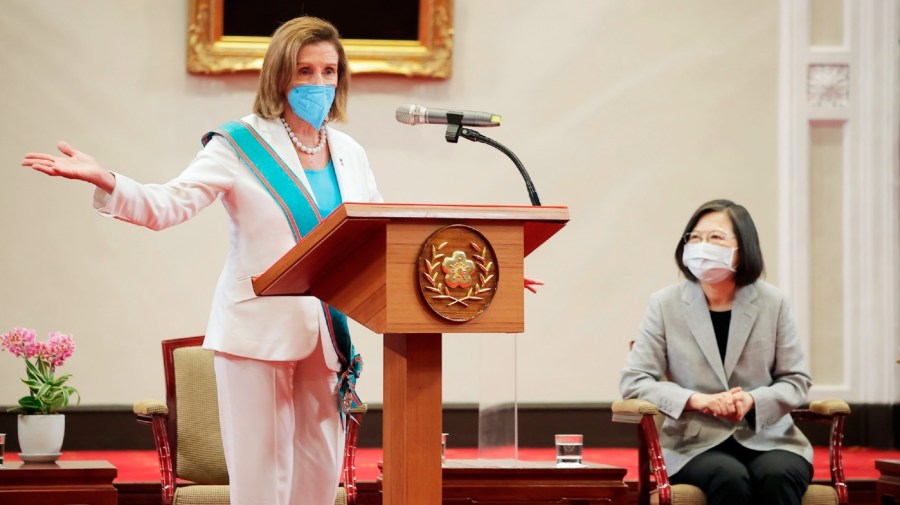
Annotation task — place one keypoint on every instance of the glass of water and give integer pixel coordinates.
(443, 447)
(2, 447)
(568, 450)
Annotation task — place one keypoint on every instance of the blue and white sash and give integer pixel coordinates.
(302, 215)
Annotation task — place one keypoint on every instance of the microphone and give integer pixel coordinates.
(416, 114)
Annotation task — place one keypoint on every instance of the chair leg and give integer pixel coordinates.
(163, 451)
(350, 458)
(836, 459)
(643, 469)
(651, 460)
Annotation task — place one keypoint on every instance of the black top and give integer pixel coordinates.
(720, 322)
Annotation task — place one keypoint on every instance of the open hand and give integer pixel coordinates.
(73, 164)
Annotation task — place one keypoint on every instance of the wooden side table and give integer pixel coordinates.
(531, 483)
(60, 483)
(887, 488)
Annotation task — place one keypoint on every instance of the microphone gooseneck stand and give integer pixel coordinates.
(455, 130)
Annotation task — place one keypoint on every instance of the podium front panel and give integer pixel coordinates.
(407, 312)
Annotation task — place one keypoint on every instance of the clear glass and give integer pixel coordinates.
(568, 449)
(2, 447)
(497, 406)
(444, 447)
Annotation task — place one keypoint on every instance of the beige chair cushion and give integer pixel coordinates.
(218, 495)
(201, 458)
(341, 498)
(686, 494)
(201, 495)
(682, 494)
(817, 494)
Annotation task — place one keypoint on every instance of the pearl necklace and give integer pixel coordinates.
(300, 145)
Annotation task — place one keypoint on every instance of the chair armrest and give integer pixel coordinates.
(832, 412)
(632, 411)
(156, 414)
(823, 411)
(650, 458)
(830, 407)
(147, 408)
(360, 409)
(635, 406)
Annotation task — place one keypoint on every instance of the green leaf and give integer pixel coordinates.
(59, 381)
(57, 404)
(29, 403)
(48, 397)
(32, 371)
(71, 390)
(46, 372)
(32, 385)
(30, 366)
(42, 390)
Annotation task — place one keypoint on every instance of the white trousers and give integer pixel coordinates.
(281, 429)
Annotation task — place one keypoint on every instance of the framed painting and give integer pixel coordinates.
(406, 37)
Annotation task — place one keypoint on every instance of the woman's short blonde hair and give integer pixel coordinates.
(280, 66)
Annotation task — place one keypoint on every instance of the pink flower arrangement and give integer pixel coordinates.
(47, 394)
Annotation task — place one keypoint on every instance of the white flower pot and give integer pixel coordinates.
(41, 435)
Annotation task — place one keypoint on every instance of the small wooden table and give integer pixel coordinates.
(60, 483)
(888, 486)
(531, 483)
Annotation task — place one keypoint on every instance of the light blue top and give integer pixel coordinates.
(325, 186)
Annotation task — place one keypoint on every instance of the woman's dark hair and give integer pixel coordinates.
(750, 261)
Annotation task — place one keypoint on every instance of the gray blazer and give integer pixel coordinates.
(676, 355)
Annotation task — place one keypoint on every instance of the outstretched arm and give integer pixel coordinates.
(73, 164)
(155, 206)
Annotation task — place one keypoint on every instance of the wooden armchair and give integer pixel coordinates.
(187, 434)
(652, 468)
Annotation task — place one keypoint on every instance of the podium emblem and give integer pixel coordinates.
(457, 272)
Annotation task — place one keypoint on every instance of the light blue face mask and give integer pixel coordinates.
(312, 102)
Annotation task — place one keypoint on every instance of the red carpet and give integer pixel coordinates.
(142, 466)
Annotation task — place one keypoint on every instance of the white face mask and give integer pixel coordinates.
(708, 262)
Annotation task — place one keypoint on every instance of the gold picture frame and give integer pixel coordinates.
(212, 52)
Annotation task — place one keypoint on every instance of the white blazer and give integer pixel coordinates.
(763, 356)
(240, 323)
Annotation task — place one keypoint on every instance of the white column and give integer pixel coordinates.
(853, 84)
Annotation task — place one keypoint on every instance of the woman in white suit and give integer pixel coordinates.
(719, 354)
(278, 171)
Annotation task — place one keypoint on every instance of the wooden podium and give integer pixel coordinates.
(369, 262)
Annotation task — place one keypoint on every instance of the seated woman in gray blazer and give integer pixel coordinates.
(720, 356)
